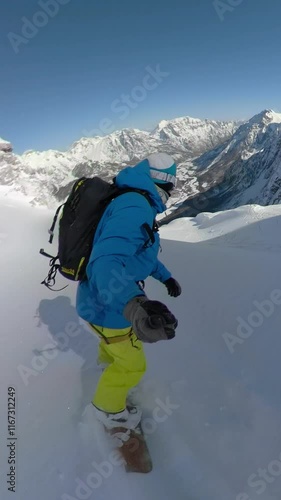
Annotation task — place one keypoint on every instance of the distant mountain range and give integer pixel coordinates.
(246, 169)
(45, 177)
(220, 164)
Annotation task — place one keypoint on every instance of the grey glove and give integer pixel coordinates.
(151, 320)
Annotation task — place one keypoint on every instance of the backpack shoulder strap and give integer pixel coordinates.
(120, 191)
(151, 233)
(147, 228)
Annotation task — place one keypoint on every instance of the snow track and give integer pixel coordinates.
(212, 406)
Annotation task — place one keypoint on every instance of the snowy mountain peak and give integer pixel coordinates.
(182, 120)
(162, 124)
(193, 135)
(273, 116)
(5, 146)
(266, 117)
(178, 122)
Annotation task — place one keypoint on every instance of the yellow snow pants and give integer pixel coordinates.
(127, 365)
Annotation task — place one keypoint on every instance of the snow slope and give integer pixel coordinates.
(224, 424)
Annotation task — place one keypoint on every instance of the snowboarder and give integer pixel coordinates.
(111, 300)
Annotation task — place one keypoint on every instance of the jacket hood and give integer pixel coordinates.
(139, 177)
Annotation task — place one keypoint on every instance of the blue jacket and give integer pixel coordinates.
(121, 255)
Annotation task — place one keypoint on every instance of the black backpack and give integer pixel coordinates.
(81, 214)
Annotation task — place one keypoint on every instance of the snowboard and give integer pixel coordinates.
(134, 450)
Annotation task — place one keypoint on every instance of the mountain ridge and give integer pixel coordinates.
(244, 170)
(221, 165)
(48, 172)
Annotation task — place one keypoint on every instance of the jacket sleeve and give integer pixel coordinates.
(120, 238)
(160, 272)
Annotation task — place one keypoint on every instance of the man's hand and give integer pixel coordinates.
(151, 320)
(173, 287)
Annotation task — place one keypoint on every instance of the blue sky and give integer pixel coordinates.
(72, 75)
